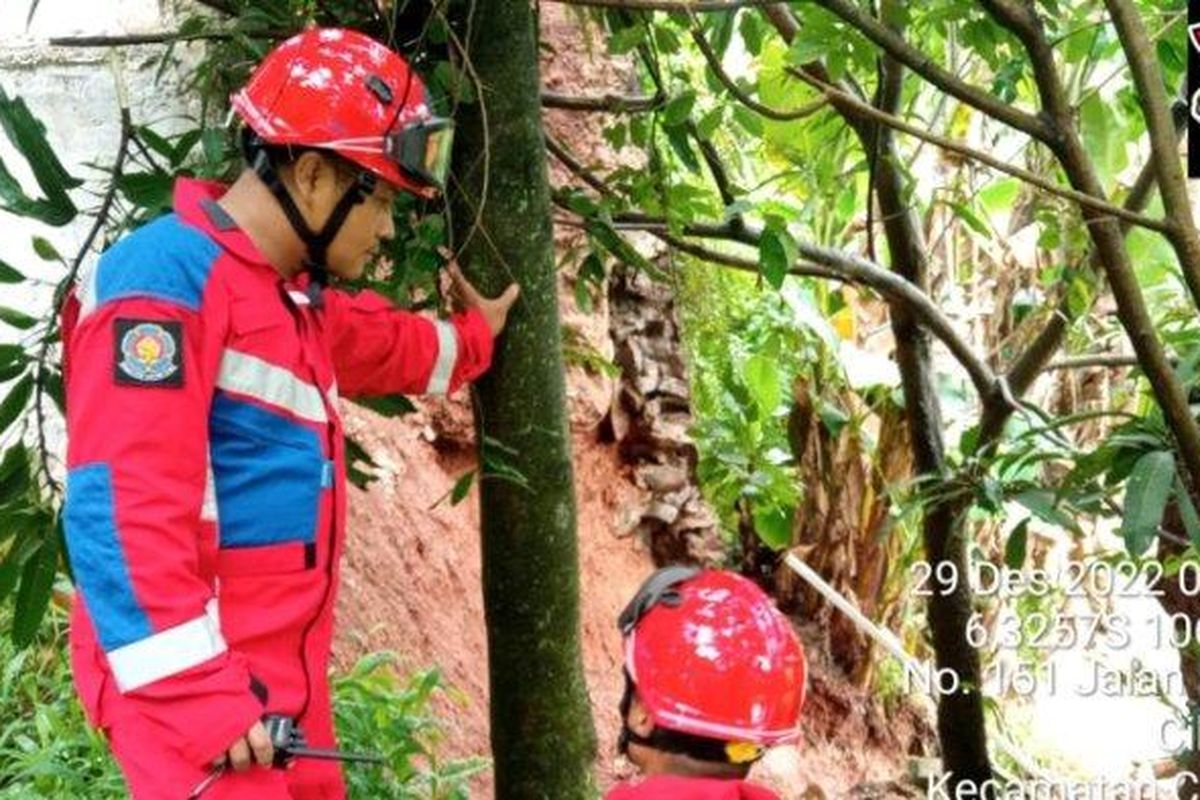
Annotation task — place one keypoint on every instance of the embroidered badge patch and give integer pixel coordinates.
(148, 353)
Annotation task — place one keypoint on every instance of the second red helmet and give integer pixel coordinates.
(342, 91)
(711, 655)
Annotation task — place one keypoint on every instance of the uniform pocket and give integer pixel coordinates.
(271, 559)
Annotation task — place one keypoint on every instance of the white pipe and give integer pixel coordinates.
(893, 645)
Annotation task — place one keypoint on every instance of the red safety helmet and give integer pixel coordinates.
(341, 90)
(710, 655)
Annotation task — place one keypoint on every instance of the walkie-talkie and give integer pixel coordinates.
(289, 742)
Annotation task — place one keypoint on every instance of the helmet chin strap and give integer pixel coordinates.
(258, 155)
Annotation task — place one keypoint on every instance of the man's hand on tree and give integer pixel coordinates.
(464, 295)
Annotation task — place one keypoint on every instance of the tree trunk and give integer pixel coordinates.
(960, 722)
(961, 729)
(543, 742)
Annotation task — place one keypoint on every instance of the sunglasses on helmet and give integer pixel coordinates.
(422, 149)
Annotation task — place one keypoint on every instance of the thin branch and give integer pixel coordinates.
(828, 263)
(714, 63)
(1095, 360)
(1099, 85)
(571, 163)
(716, 166)
(696, 6)
(1025, 368)
(610, 103)
(1164, 148)
(165, 37)
(106, 204)
(843, 266)
(841, 98)
(781, 16)
(923, 65)
(1107, 237)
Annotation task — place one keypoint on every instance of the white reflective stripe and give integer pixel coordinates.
(86, 290)
(168, 652)
(208, 508)
(299, 298)
(439, 381)
(368, 144)
(250, 375)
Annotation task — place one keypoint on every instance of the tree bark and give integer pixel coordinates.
(960, 723)
(543, 741)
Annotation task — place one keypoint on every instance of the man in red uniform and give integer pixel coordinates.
(206, 496)
(713, 675)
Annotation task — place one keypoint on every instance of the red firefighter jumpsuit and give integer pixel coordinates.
(671, 787)
(206, 500)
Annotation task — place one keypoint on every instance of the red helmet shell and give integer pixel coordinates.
(724, 663)
(338, 90)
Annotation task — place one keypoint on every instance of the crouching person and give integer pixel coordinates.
(714, 674)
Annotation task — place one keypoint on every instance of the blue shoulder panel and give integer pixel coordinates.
(166, 260)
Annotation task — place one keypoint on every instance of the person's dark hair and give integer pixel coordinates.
(711, 752)
(284, 156)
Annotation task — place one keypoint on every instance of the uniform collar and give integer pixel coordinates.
(195, 202)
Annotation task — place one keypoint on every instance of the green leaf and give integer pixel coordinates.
(14, 472)
(45, 251)
(155, 142)
(1017, 544)
(14, 402)
(9, 275)
(681, 144)
(148, 190)
(28, 135)
(17, 319)
(461, 487)
(971, 219)
(777, 252)
(184, 145)
(762, 379)
(1101, 129)
(608, 239)
(679, 108)
(212, 144)
(999, 196)
(1079, 296)
(625, 40)
(1044, 505)
(1146, 496)
(710, 122)
(833, 418)
(393, 405)
(456, 82)
(12, 354)
(1187, 512)
(37, 582)
(53, 384)
(752, 29)
(1170, 56)
(18, 555)
(356, 456)
(774, 526)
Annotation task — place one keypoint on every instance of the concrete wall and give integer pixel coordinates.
(74, 92)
